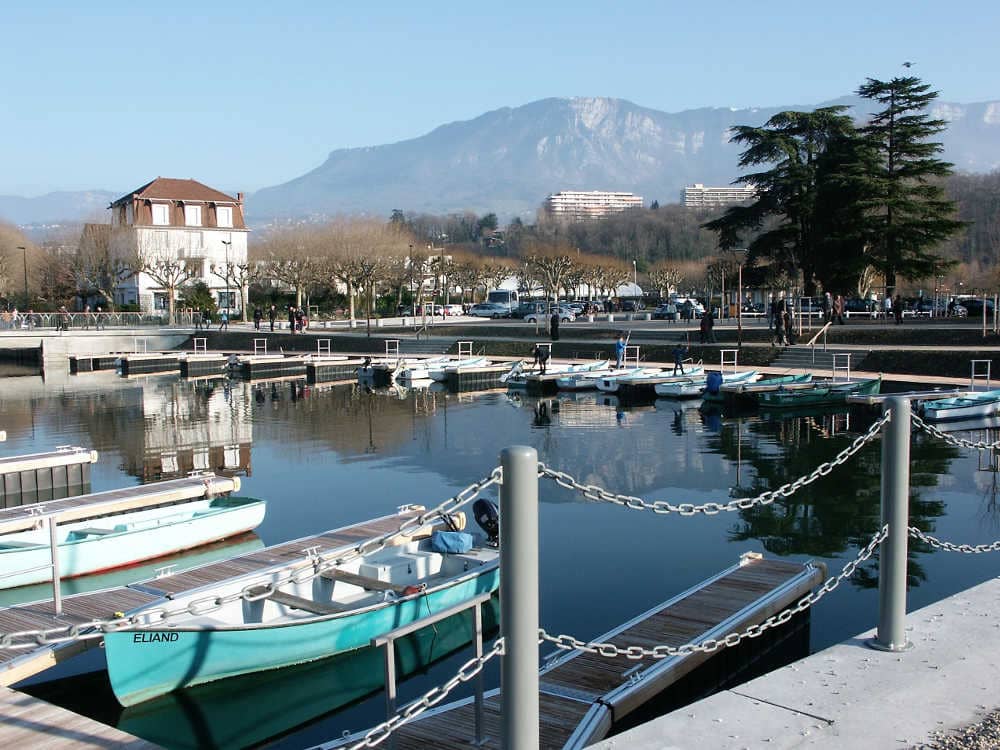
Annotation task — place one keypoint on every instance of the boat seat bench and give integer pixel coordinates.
(306, 605)
(365, 582)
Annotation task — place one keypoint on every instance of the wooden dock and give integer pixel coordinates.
(583, 695)
(50, 474)
(148, 364)
(19, 664)
(32, 723)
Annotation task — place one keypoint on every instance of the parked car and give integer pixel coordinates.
(527, 308)
(489, 310)
(632, 305)
(454, 310)
(565, 315)
(667, 311)
(689, 307)
(974, 306)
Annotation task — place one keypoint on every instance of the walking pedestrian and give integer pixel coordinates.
(272, 315)
(554, 325)
(707, 328)
(619, 351)
(257, 317)
(541, 355)
(789, 326)
(300, 319)
(838, 309)
(887, 305)
(291, 318)
(679, 352)
(827, 305)
(99, 319)
(897, 309)
(779, 328)
(224, 320)
(86, 317)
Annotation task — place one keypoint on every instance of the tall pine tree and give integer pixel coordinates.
(784, 215)
(906, 213)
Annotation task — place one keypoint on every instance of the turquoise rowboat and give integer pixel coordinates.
(969, 406)
(107, 542)
(337, 612)
(824, 394)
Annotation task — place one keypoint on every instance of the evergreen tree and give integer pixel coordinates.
(784, 215)
(907, 215)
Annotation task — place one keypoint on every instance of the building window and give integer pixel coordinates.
(192, 216)
(227, 300)
(224, 216)
(161, 214)
(194, 241)
(160, 240)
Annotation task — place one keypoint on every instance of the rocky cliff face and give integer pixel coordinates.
(508, 160)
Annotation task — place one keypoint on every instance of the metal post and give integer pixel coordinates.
(54, 556)
(477, 622)
(390, 684)
(891, 633)
(519, 598)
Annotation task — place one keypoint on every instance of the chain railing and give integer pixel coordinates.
(300, 572)
(377, 735)
(710, 645)
(593, 492)
(952, 439)
(968, 549)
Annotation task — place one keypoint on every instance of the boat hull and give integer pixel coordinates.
(819, 396)
(950, 412)
(144, 664)
(119, 549)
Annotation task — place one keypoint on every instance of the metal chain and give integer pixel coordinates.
(951, 547)
(593, 492)
(431, 698)
(952, 439)
(299, 572)
(710, 645)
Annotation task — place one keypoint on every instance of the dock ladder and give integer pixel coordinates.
(841, 364)
(465, 349)
(631, 353)
(200, 345)
(392, 348)
(139, 345)
(259, 347)
(728, 357)
(980, 373)
(323, 347)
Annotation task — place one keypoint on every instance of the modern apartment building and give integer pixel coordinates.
(180, 221)
(579, 205)
(699, 196)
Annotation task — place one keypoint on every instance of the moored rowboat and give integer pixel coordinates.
(969, 406)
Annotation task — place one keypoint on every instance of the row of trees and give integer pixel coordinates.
(839, 200)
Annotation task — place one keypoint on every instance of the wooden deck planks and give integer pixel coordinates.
(31, 723)
(688, 619)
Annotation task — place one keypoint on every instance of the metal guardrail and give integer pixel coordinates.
(78, 321)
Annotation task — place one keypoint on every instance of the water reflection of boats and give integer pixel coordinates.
(217, 716)
(238, 545)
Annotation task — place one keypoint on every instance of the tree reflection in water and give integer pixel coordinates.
(836, 513)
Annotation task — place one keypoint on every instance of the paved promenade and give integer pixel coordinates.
(851, 696)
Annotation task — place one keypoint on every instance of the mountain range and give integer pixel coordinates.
(508, 160)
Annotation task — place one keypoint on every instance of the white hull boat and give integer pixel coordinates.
(609, 383)
(104, 543)
(695, 387)
(970, 406)
(440, 371)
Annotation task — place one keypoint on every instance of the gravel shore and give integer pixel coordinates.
(984, 735)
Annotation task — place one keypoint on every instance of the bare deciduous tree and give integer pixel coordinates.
(666, 277)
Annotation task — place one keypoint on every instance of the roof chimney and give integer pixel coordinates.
(239, 197)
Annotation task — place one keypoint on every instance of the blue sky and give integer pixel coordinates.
(243, 95)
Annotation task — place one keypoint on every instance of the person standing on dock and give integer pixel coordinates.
(679, 352)
(257, 317)
(541, 355)
(272, 315)
(619, 352)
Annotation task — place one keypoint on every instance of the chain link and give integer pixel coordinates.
(593, 492)
(952, 439)
(710, 645)
(968, 549)
(299, 572)
(431, 698)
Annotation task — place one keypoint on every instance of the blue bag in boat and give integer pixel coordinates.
(713, 382)
(451, 541)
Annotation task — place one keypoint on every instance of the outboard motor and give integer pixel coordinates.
(488, 518)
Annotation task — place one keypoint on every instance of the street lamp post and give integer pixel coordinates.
(413, 305)
(228, 244)
(24, 257)
(635, 274)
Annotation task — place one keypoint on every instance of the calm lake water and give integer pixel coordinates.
(328, 457)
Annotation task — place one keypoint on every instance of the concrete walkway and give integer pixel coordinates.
(851, 696)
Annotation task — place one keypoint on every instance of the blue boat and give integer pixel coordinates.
(339, 611)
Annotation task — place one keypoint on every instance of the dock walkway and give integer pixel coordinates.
(850, 695)
(583, 694)
(31, 723)
(16, 665)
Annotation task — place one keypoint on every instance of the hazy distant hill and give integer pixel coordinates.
(508, 160)
(65, 205)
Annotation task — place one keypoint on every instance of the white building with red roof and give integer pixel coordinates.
(197, 229)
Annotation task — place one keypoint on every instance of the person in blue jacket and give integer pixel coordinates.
(680, 351)
(619, 351)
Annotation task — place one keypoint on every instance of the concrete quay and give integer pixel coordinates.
(852, 696)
